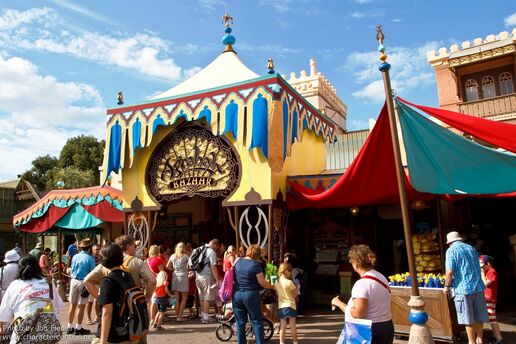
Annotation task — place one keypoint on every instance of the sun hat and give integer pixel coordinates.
(11, 256)
(452, 236)
(39, 245)
(85, 243)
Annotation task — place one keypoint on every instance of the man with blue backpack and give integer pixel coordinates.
(203, 261)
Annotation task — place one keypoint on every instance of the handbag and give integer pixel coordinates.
(356, 331)
(42, 326)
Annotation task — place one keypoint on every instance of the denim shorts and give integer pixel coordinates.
(162, 303)
(287, 312)
(471, 309)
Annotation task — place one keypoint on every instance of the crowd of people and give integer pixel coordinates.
(104, 279)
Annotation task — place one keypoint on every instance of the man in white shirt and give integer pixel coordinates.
(208, 278)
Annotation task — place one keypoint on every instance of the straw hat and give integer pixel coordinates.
(39, 245)
(452, 237)
(85, 243)
(11, 256)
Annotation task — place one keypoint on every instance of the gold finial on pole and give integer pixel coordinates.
(270, 65)
(227, 19)
(120, 98)
(379, 34)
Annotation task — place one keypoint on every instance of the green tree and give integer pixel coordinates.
(84, 153)
(41, 171)
(77, 166)
(72, 177)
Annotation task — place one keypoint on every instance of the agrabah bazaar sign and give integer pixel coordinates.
(192, 162)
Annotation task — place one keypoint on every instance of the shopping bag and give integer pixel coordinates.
(356, 331)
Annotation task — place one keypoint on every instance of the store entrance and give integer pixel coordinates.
(196, 220)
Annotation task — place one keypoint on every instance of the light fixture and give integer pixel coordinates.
(354, 211)
(418, 205)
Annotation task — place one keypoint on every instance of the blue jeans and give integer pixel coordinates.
(248, 303)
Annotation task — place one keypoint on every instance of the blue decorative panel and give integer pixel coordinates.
(231, 123)
(260, 134)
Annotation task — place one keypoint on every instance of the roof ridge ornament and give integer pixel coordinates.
(228, 40)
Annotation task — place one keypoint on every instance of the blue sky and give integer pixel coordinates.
(62, 62)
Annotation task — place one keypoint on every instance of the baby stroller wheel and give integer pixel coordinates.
(268, 329)
(224, 332)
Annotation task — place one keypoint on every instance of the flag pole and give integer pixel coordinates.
(419, 331)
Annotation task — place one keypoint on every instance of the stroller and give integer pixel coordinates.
(228, 327)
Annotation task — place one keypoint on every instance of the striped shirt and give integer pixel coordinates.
(462, 259)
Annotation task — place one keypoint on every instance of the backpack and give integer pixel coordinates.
(197, 258)
(132, 322)
(226, 289)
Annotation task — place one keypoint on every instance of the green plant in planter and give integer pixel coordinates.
(271, 270)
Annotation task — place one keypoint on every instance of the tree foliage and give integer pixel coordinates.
(77, 165)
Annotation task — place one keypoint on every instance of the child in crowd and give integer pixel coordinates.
(287, 294)
(490, 279)
(161, 295)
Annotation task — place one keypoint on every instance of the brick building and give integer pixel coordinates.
(477, 78)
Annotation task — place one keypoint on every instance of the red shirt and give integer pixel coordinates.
(227, 263)
(490, 292)
(154, 262)
(161, 290)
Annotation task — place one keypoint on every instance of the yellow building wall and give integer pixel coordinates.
(254, 172)
(307, 157)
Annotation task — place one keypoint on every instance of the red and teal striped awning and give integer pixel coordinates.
(72, 209)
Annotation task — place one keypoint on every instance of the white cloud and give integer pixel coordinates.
(510, 20)
(280, 6)
(212, 5)
(12, 19)
(145, 53)
(83, 11)
(409, 70)
(368, 15)
(363, 1)
(39, 113)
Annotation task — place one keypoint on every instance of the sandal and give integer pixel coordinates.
(160, 328)
(90, 322)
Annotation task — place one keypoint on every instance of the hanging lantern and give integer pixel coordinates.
(354, 211)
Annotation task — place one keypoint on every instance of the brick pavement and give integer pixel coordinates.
(317, 327)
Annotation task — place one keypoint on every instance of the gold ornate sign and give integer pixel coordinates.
(192, 162)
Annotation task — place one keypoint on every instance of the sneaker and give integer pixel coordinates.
(277, 328)
(208, 320)
(70, 330)
(82, 332)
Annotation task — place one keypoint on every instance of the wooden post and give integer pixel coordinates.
(419, 332)
(440, 232)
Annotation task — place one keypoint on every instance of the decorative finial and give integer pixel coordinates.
(109, 180)
(228, 40)
(384, 66)
(60, 185)
(227, 19)
(120, 98)
(270, 65)
(379, 34)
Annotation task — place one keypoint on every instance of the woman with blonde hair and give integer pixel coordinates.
(370, 296)
(178, 263)
(229, 257)
(246, 294)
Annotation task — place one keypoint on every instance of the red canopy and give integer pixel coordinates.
(499, 134)
(370, 179)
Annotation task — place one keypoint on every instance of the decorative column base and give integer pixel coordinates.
(419, 331)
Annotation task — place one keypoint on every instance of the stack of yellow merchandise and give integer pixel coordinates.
(426, 251)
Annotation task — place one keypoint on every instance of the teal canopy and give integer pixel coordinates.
(78, 218)
(442, 162)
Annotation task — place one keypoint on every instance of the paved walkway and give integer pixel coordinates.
(317, 327)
